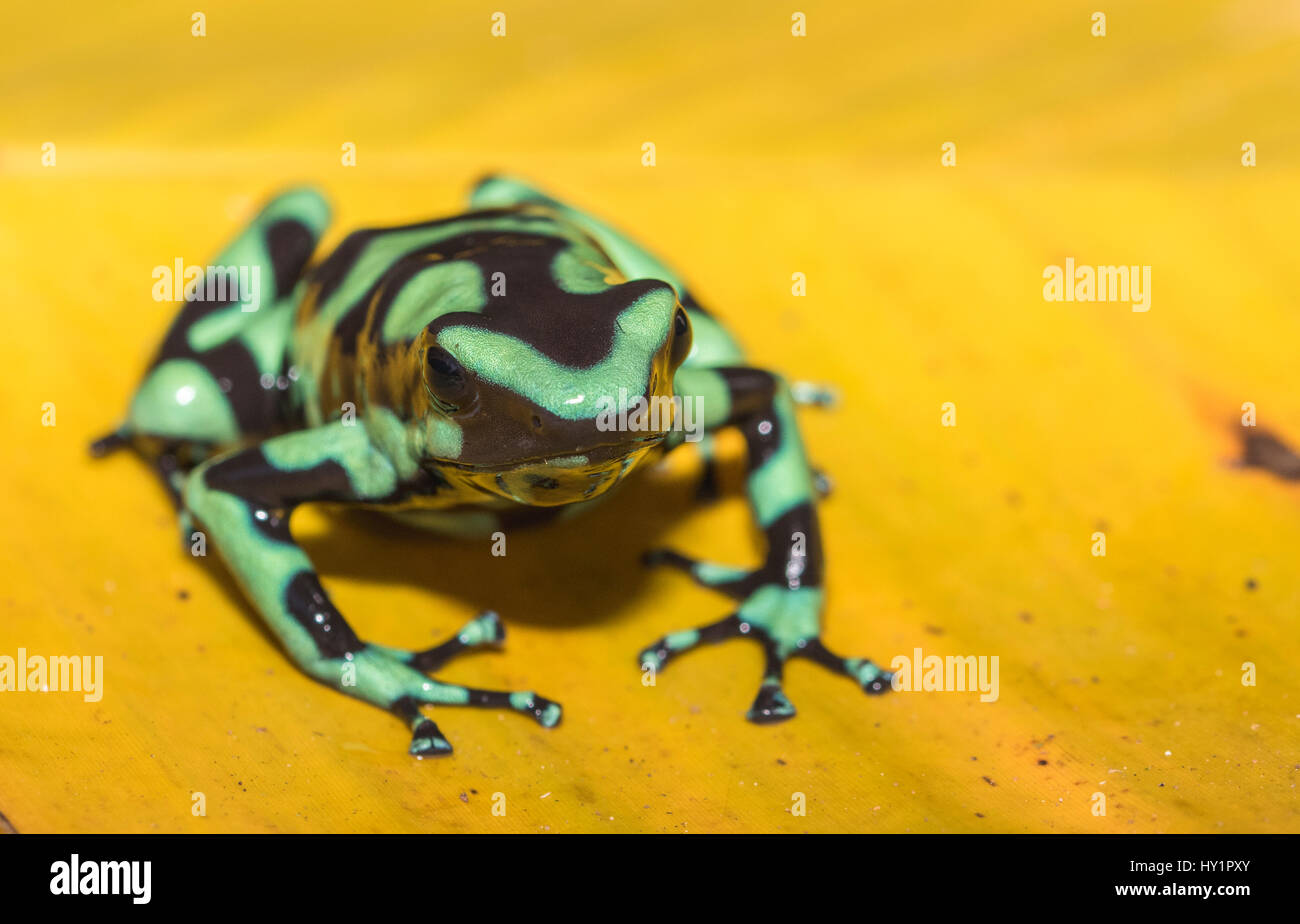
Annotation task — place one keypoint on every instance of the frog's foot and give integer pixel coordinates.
(783, 620)
(815, 394)
(110, 442)
(426, 738)
(408, 670)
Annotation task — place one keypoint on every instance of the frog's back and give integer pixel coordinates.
(360, 310)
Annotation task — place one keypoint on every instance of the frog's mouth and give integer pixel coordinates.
(559, 479)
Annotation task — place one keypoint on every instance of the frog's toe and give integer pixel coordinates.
(780, 641)
(871, 677)
(663, 650)
(484, 629)
(727, 579)
(427, 741)
(547, 713)
(770, 705)
(815, 394)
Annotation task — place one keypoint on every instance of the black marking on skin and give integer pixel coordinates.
(1261, 449)
(256, 409)
(251, 477)
(783, 566)
(331, 273)
(305, 600)
(768, 706)
(762, 432)
(290, 244)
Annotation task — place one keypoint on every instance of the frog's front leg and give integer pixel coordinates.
(781, 600)
(244, 500)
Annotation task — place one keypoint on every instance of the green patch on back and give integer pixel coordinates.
(180, 399)
(439, 289)
(576, 274)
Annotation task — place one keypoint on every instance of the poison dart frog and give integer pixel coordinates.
(455, 372)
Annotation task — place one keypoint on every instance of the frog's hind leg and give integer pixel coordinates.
(221, 374)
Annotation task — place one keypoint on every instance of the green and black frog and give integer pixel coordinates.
(459, 373)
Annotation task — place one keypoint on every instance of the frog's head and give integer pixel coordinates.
(524, 402)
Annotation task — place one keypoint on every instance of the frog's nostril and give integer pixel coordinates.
(537, 422)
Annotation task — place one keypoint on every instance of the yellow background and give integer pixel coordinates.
(776, 154)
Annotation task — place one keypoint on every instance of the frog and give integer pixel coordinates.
(453, 373)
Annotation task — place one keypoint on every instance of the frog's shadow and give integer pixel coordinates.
(576, 572)
(572, 572)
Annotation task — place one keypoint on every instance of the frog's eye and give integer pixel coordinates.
(681, 337)
(447, 380)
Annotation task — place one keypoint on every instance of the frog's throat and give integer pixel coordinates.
(552, 481)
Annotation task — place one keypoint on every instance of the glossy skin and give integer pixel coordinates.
(449, 372)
